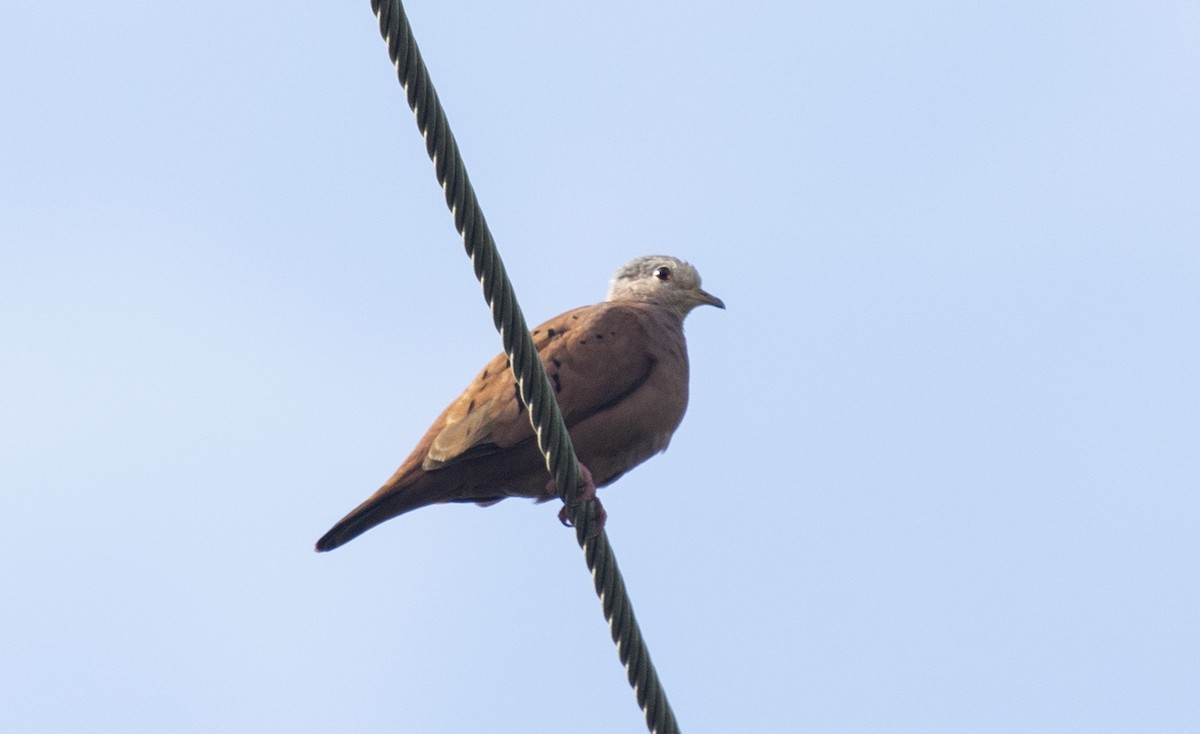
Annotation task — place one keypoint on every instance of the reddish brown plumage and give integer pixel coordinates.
(620, 374)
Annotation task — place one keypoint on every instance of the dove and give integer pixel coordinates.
(619, 370)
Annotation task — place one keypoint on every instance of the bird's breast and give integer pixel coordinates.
(625, 434)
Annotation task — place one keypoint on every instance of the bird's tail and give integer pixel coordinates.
(385, 504)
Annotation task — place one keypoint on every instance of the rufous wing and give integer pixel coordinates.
(594, 357)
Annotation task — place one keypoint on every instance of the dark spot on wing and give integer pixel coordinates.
(470, 406)
(557, 382)
(599, 336)
(551, 333)
(520, 405)
(556, 362)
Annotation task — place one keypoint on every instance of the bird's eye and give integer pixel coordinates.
(663, 274)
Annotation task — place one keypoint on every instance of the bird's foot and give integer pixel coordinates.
(587, 493)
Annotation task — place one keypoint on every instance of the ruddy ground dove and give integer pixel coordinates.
(619, 370)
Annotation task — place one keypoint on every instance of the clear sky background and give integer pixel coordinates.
(941, 467)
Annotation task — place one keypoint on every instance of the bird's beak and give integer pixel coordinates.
(705, 297)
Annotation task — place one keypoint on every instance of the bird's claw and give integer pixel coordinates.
(587, 493)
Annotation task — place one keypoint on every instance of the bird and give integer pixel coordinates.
(619, 371)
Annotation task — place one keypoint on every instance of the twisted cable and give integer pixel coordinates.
(552, 437)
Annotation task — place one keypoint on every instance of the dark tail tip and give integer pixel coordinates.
(360, 520)
(347, 529)
(385, 504)
(325, 544)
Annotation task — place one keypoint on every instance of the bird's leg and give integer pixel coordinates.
(586, 493)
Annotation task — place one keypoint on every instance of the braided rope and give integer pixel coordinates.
(552, 437)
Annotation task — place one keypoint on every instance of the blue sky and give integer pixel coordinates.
(940, 468)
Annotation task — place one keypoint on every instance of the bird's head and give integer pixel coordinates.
(663, 280)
